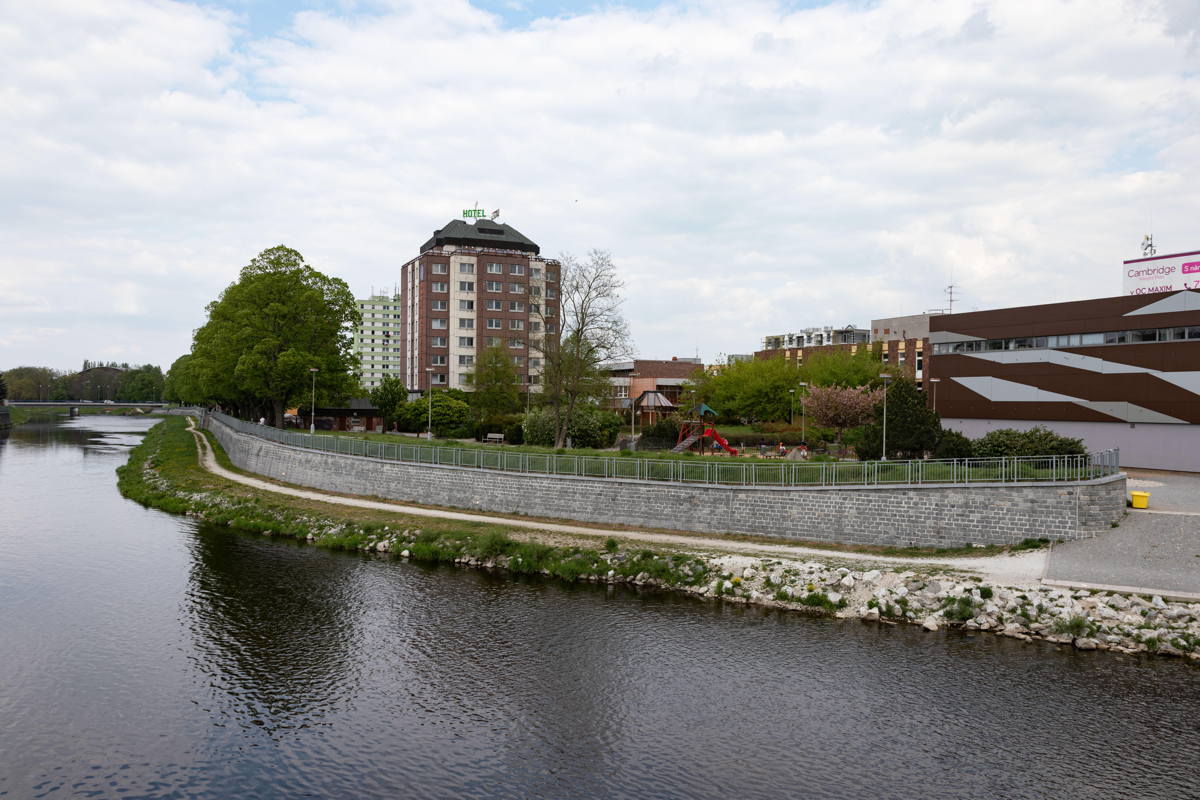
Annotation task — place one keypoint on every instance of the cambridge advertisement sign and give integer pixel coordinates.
(1161, 273)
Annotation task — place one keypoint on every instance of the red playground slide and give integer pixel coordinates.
(719, 439)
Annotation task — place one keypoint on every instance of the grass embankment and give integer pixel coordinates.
(163, 473)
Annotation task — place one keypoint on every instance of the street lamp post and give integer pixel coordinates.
(429, 391)
(792, 414)
(803, 417)
(886, 378)
(935, 382)
(312, 411)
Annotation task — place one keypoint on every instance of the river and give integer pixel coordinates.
(146, 655)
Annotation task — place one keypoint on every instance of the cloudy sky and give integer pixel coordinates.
(754, 168)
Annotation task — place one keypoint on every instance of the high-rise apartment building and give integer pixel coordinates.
(471, 287)
(377, 341)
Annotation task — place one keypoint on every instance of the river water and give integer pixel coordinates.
(145, 655)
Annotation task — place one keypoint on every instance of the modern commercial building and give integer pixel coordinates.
(817, 337)
(905, 342)
(1116, 372)
(473, 286)
(377, 341)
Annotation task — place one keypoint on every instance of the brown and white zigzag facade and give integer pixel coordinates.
(1118, 372)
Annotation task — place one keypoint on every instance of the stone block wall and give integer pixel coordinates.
(926, 515)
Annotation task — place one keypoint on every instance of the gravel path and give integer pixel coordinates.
(1020, 569)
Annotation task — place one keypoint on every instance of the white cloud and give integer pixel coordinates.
(753, 170)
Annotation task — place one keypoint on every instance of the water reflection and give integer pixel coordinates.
(141, 654)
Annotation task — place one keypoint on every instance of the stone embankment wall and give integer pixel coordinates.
(925, 516)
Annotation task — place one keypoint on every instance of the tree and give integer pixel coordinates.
(269, 329)
(842, 368)
(182, 383)
(750, 391)
(3, 387)
(496, 383)
(30, 383)
(388, 397)
(913, 428)
(593, 332)
(841, 407)
(140, 384)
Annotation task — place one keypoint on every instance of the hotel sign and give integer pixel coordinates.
(1161, 273)
(474, 213)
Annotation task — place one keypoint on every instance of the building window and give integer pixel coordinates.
(621, 390)
(516, 269)
(549, 327)
(551, 293)
(519, 360)
(535, 326)
(437, 341)
(516, 324)
(494, 341)
(493, 324)
(534, 308)
(467, 268)
(516, 343)
(495, 305)
(535, 291)
(440, 305)
(463, 380)
(549, 313)
(495, 269)
(438, 286)
(439, 269)
(535, 272)
(439, 324)
(516, 305)
(466, 305)
(439, 378)
(516, 288)
(494, 286)
(535, 362)
(466, 361)
(467, 323)
(466, 286)
(466, 341)
(437, 360)
(535, 379)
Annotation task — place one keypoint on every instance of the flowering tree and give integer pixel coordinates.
(840, 407)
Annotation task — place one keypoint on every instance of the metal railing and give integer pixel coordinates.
(708, 471)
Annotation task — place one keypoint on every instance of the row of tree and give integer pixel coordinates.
(96, 382)
(283, 331)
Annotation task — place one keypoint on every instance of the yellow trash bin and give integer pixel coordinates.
(1140, 499)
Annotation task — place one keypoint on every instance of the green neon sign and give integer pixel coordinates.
(474, 213)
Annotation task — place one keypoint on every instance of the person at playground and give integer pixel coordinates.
(782, 449)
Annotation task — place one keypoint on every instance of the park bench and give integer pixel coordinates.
(494, 438)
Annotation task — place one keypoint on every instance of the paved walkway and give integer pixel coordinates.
(1021, 569)
(1157, 549)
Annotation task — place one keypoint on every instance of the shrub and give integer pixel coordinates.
(590, 428)
(1037, 441)
(953, 444)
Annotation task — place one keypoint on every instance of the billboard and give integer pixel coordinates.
(1161, 273)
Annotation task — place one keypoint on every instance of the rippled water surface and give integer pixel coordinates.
(142, 655)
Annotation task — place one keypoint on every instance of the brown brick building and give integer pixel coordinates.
(474, 285)
(1117, 372)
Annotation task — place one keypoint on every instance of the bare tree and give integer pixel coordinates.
(592, 332)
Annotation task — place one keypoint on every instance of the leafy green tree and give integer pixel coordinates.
(751, 391)
(3, 387)
(389, 397)
(140, 384)
(953, 444)
(496, 383)
(842, 368)
(451, 417)
(591, 427)
(182, 384)
(269, 329)
(30, 384)
(913, 428)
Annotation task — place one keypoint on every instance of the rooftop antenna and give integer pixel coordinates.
(950, 290)
(1148, 249)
